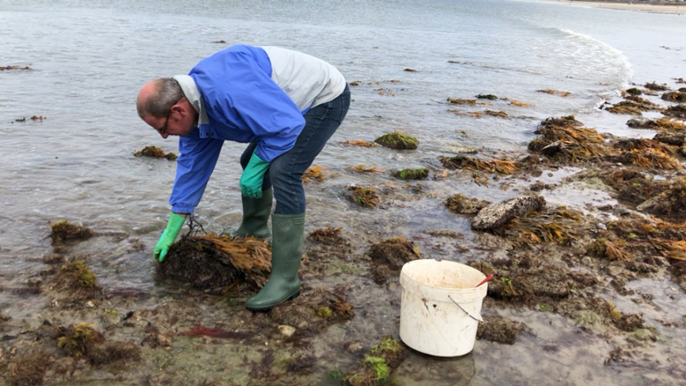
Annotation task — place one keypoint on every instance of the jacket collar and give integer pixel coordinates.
(190, 90)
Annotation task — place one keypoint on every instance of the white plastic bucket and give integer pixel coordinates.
(440, 308)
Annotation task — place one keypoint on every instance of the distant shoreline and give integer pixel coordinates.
(631, 6)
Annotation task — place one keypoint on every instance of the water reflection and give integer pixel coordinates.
(421, 369)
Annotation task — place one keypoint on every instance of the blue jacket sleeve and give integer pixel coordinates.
(242, 94)
(193, 170)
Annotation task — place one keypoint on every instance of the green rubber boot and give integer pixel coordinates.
(256, 212)
(287, 249)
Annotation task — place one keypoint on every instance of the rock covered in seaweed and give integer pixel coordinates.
(412, 174)
(497, 214)
(398, 140)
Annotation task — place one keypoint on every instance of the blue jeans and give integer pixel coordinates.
(285, 172)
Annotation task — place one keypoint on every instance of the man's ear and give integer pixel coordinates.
(178, 108)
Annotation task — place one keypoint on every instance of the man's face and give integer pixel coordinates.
(178, 122)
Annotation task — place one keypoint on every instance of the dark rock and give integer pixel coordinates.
(641, 123)
(670, 137)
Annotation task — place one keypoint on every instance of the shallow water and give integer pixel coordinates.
(89, 58)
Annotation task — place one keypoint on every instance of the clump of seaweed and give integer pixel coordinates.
(633, 105)
(670, 124)
(378, 365)
(78, 340)
(394, 252)
(85, 278)
(360, 143)
(364, 196)
(334, 307)
(631, 144)
(663, 124)
(530, 278)
(498, 329)
(28, 369)
(412, 174)
(12, 68)
(670, 202)
(365, 169)
(625, 107)
(515, 102)
(674, 96)
(461, 204)
(492, 166)
(111, 351)
(82, 340)
(559, 225)
(314, 173)
(215, 263)
(567, 120)
(64, 230)
(671, 249)
(656, 87)
(73, 283)
(633, 91)
(385, 91)
(609, 250)
(555, 92)
(475, 114)
(639, 227)
(568, 132)
(460, 101)
(398, 140)
(632, 186)
(497, 114)
(678, 111)
(506, 288)
(490, 97)
(154, 152)
(327, 236)
(563, 138)
(648, 158)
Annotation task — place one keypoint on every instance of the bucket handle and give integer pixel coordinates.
(478, 319)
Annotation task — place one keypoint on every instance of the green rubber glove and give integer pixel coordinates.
(168, 237)
(251, 180)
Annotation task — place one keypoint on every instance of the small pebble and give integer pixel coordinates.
(287, 331)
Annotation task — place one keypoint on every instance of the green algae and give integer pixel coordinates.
(398, 140)
(412, 174)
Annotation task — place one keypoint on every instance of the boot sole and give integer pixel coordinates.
(267, 308)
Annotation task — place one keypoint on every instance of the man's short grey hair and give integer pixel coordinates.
(159, 104)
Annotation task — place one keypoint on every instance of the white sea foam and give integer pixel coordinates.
(599, 58)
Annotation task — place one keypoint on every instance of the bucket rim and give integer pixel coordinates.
(405, 277)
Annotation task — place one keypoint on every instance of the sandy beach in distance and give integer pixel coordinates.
(642, 7)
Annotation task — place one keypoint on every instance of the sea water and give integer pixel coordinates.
(88, 60)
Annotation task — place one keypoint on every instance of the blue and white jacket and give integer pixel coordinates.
(247, 94)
